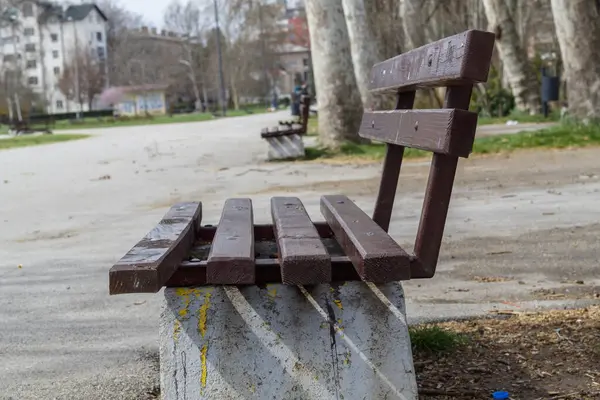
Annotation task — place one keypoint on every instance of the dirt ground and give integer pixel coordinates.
(551, 355)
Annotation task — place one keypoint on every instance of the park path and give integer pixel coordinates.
(70, 210)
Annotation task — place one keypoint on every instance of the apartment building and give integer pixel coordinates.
(40, 39)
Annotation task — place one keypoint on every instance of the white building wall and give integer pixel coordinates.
(52, 54)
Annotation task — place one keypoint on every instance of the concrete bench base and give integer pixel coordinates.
(346, 341)
(283, 147)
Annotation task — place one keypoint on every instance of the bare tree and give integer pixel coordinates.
(120, 46)
(519, 71)
(184, 18)
(578, 30)
(365, 50)
(82, 73)
(337, 93)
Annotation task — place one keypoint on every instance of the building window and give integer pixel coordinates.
(31, 64)
(56, 70)
(32, 80)
(30, 47)
(28, 10)
(59, 104)
(54, 37)
(55, 53)
(101, 54)
(10, 39)
(9, 58)
(99, 36)
(28, 31)
(305, 62)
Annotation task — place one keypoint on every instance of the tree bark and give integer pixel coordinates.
(578, 31)
(516, 66)
(412, 23)
(365, 49)
(340, 108)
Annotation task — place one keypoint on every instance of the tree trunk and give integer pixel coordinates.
(517, 68)
(412, 23)
(578, 31)
(234, 94)
(365, 49)
(340, 108)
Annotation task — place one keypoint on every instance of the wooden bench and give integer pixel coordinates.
(285, 140)
(31, 126)
(237, 273)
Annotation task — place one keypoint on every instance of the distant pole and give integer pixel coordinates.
(221, 78)
(263, 53)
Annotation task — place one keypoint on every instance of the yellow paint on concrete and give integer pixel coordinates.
(204, 372)
(182, 291)
(185, 293)
(272, 291)
(202, 313)
(176, 330)
(339, 304)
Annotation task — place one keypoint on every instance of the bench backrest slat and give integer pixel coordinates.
(459, 59)
(445, 131)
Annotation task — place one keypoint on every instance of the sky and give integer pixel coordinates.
(152, 10)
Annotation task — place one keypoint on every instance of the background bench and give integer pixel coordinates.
(342, 330)
(285, 140)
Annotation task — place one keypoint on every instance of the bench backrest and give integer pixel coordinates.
(456, 62)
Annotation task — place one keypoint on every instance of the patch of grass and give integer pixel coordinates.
(433, 339)
(25, 141)
(555, 137)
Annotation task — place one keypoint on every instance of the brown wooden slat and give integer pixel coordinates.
(374, 254)
(458, 59)
(444, 131)
(231, 257)
(303, 257)
(151, 262)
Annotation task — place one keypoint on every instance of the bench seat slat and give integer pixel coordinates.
(231, 257)
(151, 262)
(444, 131)
(303, 257)
(374, 254)
(460, 59)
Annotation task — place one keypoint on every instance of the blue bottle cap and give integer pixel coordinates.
(500, 395)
